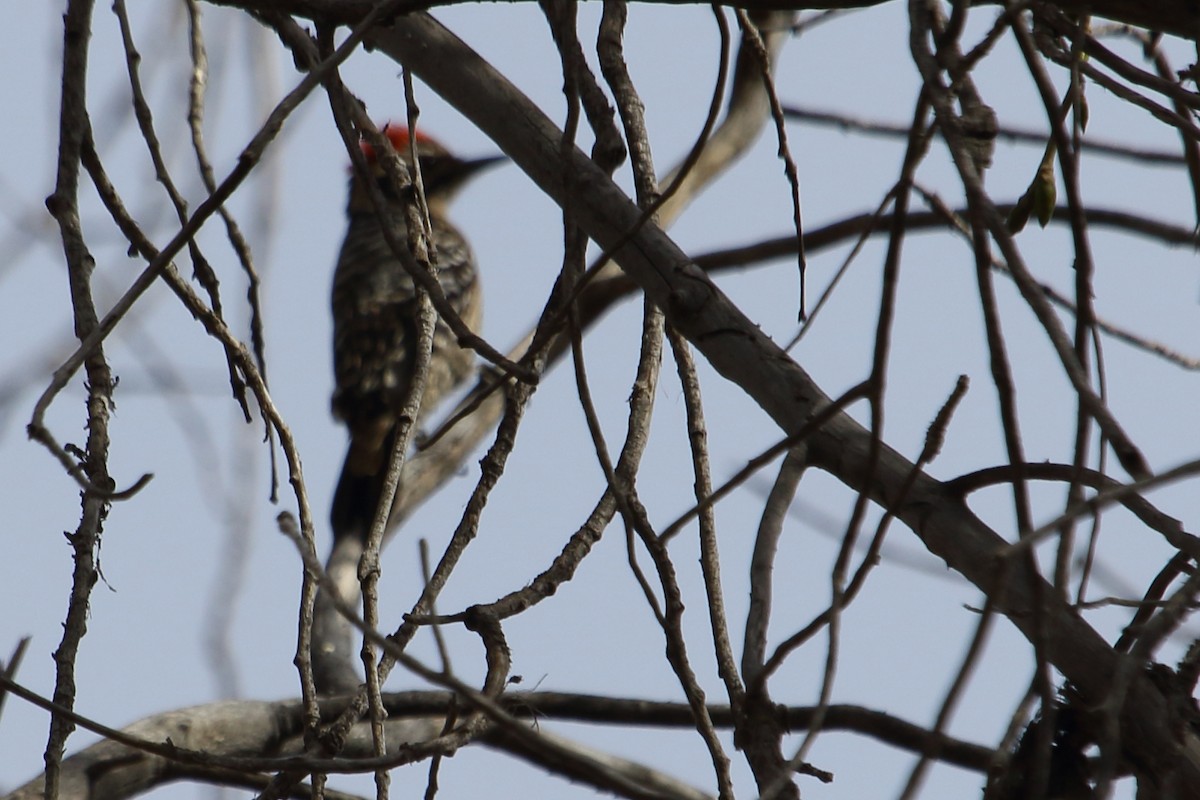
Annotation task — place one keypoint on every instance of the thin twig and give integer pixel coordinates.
(1113, 149)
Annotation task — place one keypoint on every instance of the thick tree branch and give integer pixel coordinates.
(115, 770)
(1177, 17)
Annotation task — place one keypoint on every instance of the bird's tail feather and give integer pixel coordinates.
(357, 497)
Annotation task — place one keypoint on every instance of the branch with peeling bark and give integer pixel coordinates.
(224, 743)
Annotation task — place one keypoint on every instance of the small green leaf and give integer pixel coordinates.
(1019, 216)
(1044, 193)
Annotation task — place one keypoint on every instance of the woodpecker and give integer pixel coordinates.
(375, 320)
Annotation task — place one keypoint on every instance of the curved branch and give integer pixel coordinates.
(1171, 528)
(139, 757)
(1110, 148)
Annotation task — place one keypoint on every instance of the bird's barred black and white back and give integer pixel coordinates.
(375, 327)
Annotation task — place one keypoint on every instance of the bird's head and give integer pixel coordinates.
(442, 173)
